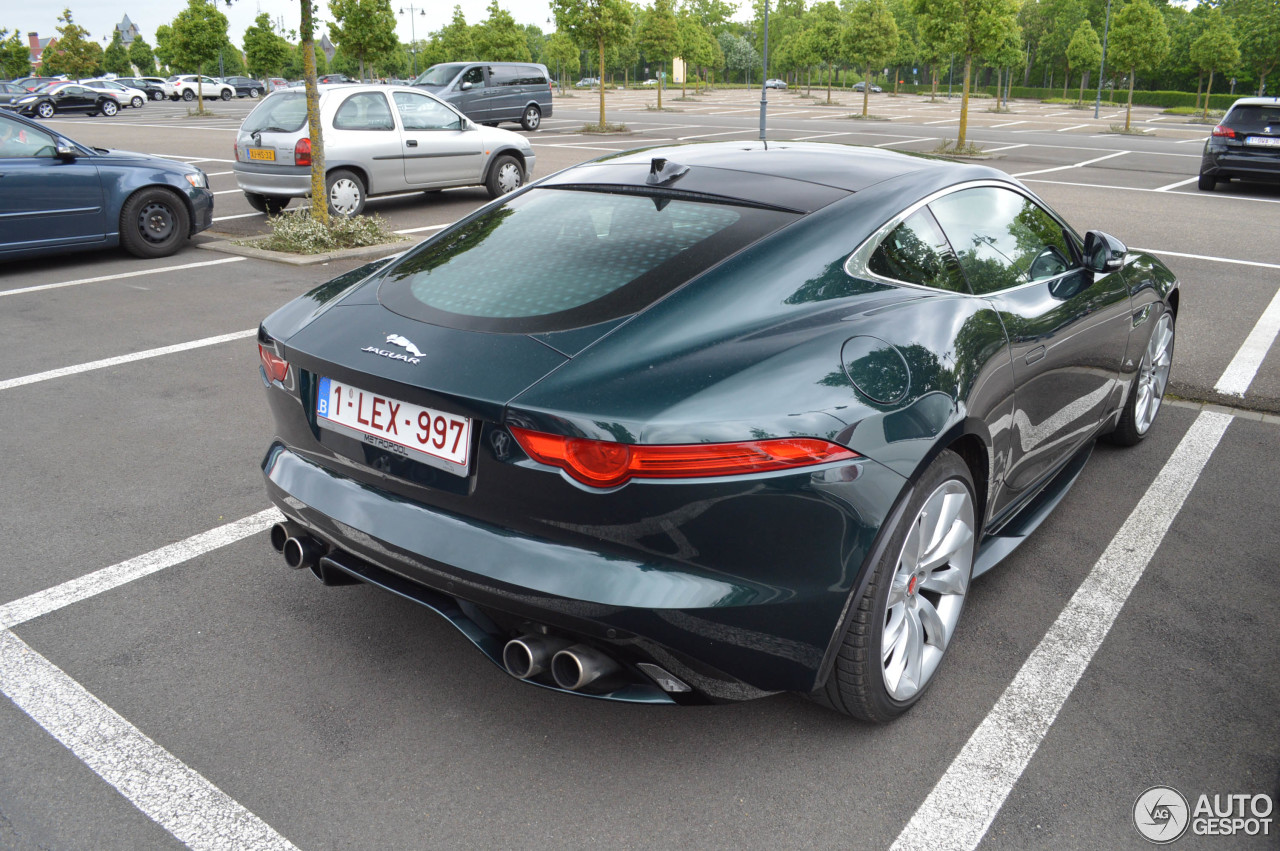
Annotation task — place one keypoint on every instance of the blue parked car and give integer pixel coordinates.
(58, 195)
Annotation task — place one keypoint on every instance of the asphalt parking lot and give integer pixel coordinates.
(169, 683)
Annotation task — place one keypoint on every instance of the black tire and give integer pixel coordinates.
(349, 190)
(154, 223)
(137, 102)
(1139, 413)
(532, 117)
(227, 94)
(253, 93)
(272, 205)
(857, 685)
(45, 109)
(1207, 182)
(188, 95)
(505, 175)
(92, 113)
(157, 95)
(108, 107)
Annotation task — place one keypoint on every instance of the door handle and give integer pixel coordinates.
(1035, 354)
(412, 143)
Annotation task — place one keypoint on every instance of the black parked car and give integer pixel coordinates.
(1245, 145)
(66, 97)
(58, 196)
(744, 419)
(9, 92)
(247, 86)
(153, 88)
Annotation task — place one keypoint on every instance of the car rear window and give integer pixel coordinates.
(554, 259)
(1254, 116)
(282, 112)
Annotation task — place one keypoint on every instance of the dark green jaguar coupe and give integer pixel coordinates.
(708, 422)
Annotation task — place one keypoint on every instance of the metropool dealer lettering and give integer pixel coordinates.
(1230, 815)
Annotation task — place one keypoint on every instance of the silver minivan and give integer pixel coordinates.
(377, 140)
(489, 92)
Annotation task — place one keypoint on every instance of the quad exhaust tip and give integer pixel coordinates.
(303, 551)
(579, 666)
(530, 655)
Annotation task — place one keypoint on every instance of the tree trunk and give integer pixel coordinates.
(964, 102)
(1066, 79)
(319, 197)
(829, 75)
(1080, 100)
(1133, 72)
(601, 44)
(866, 92)
(1199, 87)
(1208, 92)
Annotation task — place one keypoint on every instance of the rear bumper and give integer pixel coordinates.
(1248, 164)
(285, 181)
(727, 636)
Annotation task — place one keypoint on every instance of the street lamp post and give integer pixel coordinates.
(764, 73)
(413, 35)
(1102, 72)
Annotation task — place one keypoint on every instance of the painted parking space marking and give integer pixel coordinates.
(22, 381)
(1072, 127)
(1218, 196)
(964, 802)
(1210, 258)
(1244, 366)
(238, 216)
(100, 278)
(1176, 185)
(173, 795)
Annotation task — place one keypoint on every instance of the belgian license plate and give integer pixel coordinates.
(1264, 141)
(412, 431)
(262, 154)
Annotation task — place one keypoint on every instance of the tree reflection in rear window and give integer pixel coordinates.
(552, 259)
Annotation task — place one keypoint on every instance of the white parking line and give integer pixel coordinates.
(217, 173)
(22, 381)
(1179, 183)
(708, 135)
(1219, 196)
(964, 802)
(155, 271)
(1007, 124)
(1244, 366)
(942, 121)
(1206, 257)
(1072, 127)
(239, 216)
(173, 795)
(1005, 148)
(421, 229)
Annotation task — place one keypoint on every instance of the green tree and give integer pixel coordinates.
(938, 34)
(365, 30)
(1084, 53)
(141, 56)
(698, 47)
(593, 22)
(265, 52)
(115, 58)
(499, 38)
(453, 43)
(824, 28)
(972, 29)
(1063, 18)
(199, 32)
(1139, 42)
(562, 55)
(871, 39)
(1257, 24)
(739, 54)
(15, 55)
(164, 46)
(1215, 50)
(1006, 56)
(659, 37)
(536, 41)
(73, 54)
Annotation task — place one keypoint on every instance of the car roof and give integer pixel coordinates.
(1266, 101)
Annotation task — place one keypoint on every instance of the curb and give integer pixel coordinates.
(227, 246)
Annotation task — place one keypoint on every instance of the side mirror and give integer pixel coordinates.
(464, 87)
(64, 152)
(1103, 252)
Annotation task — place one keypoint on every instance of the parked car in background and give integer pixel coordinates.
(1245, 145)
(60, 195)
(247, 86)
(149, 86)
(170, 91)
(334, 78)
(33, 83)
(10, 92)
(775, 84)
(66, 97)
(189, 86)
(491, 92)
(126, 95)
(587, 83)
(650, 82)
(377, 139)
(861, 85)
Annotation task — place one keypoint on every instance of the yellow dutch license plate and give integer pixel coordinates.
(262, 154)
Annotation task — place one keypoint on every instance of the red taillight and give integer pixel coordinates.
(302, 152)
(604, 464)
(1224, 131)
(277, 367)
(235, 148)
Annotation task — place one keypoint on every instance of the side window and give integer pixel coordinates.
(364, 111)
(916, 252)
(473, 75)
(1002, 238)
(504, 75)
(419, 112)
(19, 140)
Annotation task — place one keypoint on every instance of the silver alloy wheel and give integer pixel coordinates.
(253, 93)
(532, 118)
(109, 108)
(137, 102)
(509, 177)
(928, 590)
(344, 196)
(45, 110)
(1153, 374)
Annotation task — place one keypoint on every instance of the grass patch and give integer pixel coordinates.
(858, 116)
(609, 128)
(949, 148)
(296, 232)
(1002, 109)
(651, 108)
(685, 97)
(1121, 130)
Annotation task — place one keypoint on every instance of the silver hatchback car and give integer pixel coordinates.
(377, 140)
